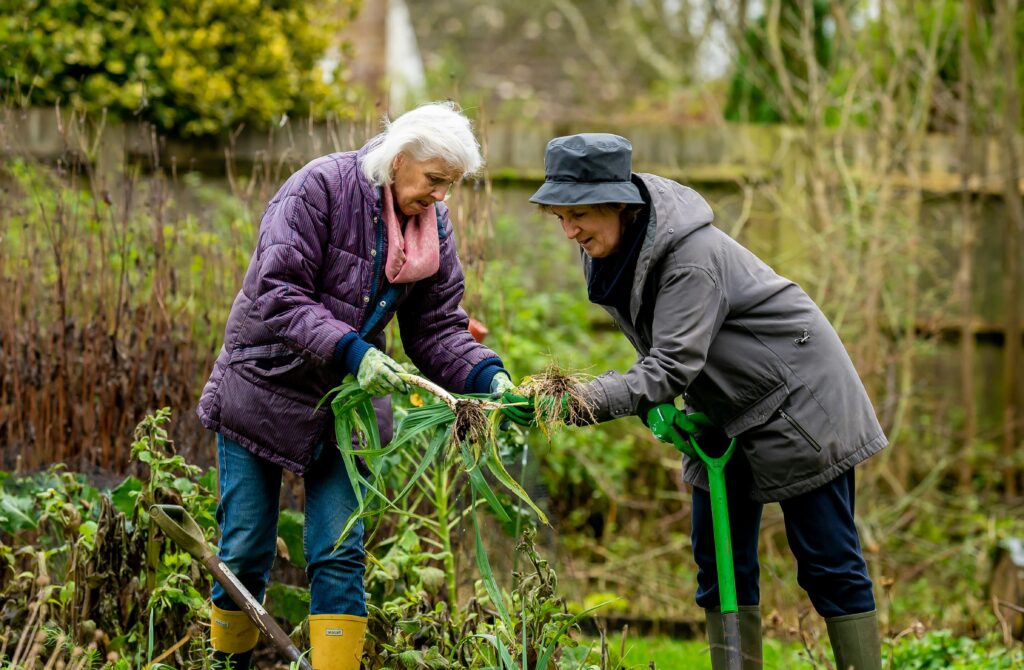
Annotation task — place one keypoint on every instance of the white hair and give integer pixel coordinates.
(433, 130)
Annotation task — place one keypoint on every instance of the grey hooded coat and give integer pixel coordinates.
(711, 321)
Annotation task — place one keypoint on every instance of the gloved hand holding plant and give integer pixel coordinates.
(501, 384)
(550, 398)
(379, 374)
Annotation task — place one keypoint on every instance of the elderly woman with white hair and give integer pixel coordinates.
(350, 241)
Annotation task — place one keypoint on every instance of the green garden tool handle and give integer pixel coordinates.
(693, 422)
(669, 424)
(179, 525)
(723, 552)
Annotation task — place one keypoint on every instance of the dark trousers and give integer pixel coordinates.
(821, 534)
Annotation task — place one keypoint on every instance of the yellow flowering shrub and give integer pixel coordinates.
(192, 67)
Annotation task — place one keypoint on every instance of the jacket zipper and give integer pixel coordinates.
(379, 246)
(800, 429)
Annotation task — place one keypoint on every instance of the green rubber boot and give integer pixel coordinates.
(855, 641)
(750, 637)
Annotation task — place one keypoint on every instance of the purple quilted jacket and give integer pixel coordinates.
(314, 299)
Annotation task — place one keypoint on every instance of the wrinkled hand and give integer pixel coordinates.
(500, 384)
(378, 374)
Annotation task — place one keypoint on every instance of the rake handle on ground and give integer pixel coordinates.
(179, 525)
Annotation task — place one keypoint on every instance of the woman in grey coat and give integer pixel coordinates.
(714, 324)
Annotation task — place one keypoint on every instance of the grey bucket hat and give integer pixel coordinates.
(587, 169)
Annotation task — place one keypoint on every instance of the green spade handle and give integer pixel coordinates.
(669, 424)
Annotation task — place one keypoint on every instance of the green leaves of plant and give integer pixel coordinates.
(497, 469)
(432, 424)
(123, 497)
(15, 512)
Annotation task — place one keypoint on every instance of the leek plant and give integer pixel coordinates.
(447, 431)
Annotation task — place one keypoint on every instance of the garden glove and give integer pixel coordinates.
(500, 384)
(696, 425)
(689, 425)
(526, 415)
(378, 374)
(520, 414)
(692, 423)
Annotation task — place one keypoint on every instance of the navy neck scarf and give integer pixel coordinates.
(611, 278)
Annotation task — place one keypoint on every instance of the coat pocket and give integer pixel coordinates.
(284, 424)
(265, 356)
(800, 429)
(792, 446)
(278, 368)
(758, 412)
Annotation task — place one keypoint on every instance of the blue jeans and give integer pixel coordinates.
(821, 533)
(248, 511)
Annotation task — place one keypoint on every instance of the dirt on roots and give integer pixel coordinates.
(558, 397)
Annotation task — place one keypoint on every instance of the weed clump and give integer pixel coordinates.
(558, 398)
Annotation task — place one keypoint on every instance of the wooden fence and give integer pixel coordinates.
(730, 162)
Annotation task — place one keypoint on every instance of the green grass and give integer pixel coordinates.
(668, 653)
(936, 650)
(665, 652)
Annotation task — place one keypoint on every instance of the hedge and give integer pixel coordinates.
(191, 67)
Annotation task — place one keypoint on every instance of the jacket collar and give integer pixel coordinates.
(369, 192)
(676, 211)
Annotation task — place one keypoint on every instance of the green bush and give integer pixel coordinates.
(193, 67)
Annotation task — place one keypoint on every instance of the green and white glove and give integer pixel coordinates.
(378, 374)
(501, 383)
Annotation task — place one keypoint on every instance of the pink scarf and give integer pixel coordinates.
(415, 254)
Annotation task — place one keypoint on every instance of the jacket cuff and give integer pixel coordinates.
(608, 397)
(479, 379)
(349, 352)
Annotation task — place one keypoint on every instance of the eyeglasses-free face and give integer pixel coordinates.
(596, 228)
(418, 185)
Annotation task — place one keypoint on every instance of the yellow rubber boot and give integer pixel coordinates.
(233, 636)
(337, 641)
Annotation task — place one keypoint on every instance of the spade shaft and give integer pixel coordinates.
(665, 421)
(179, 525)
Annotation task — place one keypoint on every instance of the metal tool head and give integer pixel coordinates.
(182, 528)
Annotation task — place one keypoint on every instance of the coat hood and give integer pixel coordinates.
(675, 212)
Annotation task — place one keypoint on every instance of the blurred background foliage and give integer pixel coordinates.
(192, 68)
